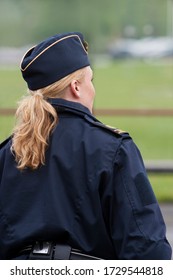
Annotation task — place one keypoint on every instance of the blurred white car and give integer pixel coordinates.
(143, 48)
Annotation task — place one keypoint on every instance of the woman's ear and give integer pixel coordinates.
(75, 88)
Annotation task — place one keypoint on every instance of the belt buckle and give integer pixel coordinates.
(42, 248)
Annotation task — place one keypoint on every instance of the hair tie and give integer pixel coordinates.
(37, 94)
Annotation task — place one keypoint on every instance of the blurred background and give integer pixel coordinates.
(131, 51)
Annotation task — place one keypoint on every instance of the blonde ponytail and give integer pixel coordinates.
(35, 120)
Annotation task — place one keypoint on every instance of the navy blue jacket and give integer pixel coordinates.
(92, 192)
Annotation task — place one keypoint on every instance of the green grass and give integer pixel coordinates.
(162, 186)
(129, 84)
(6, 126)
(134, 85)
(12, 87)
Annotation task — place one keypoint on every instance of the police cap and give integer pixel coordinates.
(53, 59)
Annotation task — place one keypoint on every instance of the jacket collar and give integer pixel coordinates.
(69, 106)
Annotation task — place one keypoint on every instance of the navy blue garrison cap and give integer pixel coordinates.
(53, 59)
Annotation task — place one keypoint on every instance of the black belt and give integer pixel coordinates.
(54, 251)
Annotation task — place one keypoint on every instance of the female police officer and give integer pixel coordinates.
(67, 180)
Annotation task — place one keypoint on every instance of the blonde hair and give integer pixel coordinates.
(35, 120)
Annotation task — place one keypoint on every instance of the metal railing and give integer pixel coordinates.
(159, 166)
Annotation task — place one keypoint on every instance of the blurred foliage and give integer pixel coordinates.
(27, 22)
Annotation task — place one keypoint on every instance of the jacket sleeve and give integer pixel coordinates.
(136, 224)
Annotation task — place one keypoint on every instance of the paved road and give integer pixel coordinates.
(167, 211)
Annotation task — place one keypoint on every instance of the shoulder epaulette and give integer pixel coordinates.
(116, 130)
(95, 122)
(5, 142)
